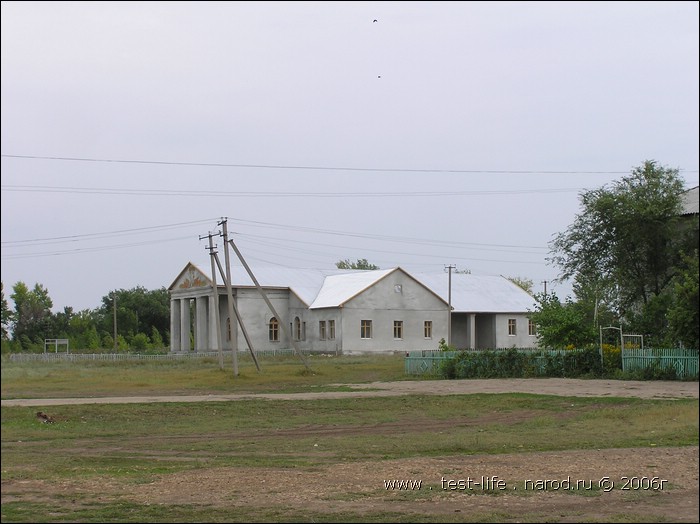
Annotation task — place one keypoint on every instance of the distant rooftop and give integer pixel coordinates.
(689, 200)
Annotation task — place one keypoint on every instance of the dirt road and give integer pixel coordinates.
(339, 491)
(547, 386)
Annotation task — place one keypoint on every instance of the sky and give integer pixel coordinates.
(411, 134)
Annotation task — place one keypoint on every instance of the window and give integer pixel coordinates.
(531, 328)
(397, 288)
(297, 328)
(398, 329)
(331, 329)
(303, 331)
(274, 330)
(511, 327)
(228, 328)
(322, 330)
(428, 329)
(366, 329)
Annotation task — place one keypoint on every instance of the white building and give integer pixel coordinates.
(348, 311)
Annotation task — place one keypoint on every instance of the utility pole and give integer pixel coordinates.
(232, 323)
(114, 296)
(212, 254)
(240, 319)
(449, 303)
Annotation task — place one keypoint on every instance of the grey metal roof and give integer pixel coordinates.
(689, 201)
(305, 283)
(338, 289)
(319, 288)
(478, 294)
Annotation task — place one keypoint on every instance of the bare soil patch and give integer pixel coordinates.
(546, 386)
(360, 488)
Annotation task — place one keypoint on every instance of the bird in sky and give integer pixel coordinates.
(374, 20)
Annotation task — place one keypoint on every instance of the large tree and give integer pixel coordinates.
(625, 242)
(6, 313)
(33, 319)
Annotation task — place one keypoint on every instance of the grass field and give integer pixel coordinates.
(314, 460)
(201, 376)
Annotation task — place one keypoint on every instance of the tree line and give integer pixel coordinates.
(142, 317)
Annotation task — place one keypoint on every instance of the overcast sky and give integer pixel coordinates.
(412, 134)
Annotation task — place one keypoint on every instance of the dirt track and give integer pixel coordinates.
(547, 386)
(356, 488)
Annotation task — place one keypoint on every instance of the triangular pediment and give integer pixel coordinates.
(190, 277)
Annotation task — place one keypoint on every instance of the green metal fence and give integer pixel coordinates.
(684, 361)
(426, 362)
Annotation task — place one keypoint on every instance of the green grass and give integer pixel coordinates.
(195, 376)
(141, 440)
(134, 444)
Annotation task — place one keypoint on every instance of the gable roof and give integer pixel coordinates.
(338, 289)
(322, 288)
(478, 293)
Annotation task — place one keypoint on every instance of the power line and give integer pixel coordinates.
(118, 232)
(391, 238)
(277, 194)
(89, 249)
(319, 168)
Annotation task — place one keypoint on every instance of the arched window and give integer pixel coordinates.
(274, 330)
(297, 328)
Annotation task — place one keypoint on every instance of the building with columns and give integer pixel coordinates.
(348, 311)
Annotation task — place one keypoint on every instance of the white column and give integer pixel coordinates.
(174, 325)
(185, 325)
(202, 329)
(472, 331)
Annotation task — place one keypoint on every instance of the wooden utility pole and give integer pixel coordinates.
(212, 254)
(233, 328)
(114, 296)
(240, 320)
(449, 303)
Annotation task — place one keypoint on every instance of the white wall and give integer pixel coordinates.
(383, 305)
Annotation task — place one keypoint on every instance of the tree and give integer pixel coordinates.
(524, 283)
(83, 330)
(138, 311)
(360, 264)
(32, 318)
(625, 242)
(683, 312)
(5, 312)
(561, 325)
